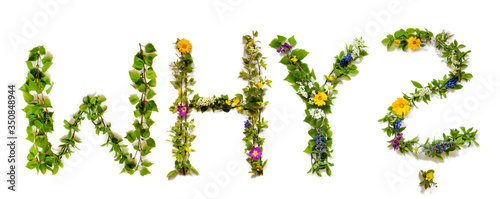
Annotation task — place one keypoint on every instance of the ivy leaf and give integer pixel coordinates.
(133, 99)
(27, 97)
(416, 84)
(150, 48)
(144, 171)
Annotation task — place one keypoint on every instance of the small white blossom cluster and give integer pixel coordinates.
(423, 92)
(357, 45)
(205, 101)
(455, 63)
(316, 113)
(302, 91)
(252, 52)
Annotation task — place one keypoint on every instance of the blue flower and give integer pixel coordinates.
(345, 60)
(397, 125)
(247, 124)
(320, 141)
(440, 146)
(452, 82)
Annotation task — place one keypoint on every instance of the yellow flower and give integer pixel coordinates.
(260, 85)
(187, 149)
(319, 99)
(258, 168)
(401, 107)
(184, 46)
(330, 78)
(179, 91)
(239, 108)
(228, 102)
(396, 42)
(294, 59)
(249, 43)
(236, 101)
(429, 176)
(414, 43)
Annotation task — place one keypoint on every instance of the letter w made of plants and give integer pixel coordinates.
(39, 113)
(318, 97)
(251, 103)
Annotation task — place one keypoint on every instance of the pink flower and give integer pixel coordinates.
(255, 153)
(183, 110)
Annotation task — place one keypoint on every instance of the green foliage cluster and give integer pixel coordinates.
(303, 80)
(181, 132)
(456, 60)
(143, 77)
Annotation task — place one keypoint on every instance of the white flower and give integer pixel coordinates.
(316, 113)
(423, 92)
(417, 148)
(310, 84)
(205, 101)
(328, 87)
(302, 91)
(311, 102)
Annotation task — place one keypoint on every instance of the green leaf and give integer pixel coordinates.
(171, 173)
(46, 66)
(281, 39)
(150, 74)
(275, 44)
(151, 94)
(300, 53)
(151, 142)
(27, 97)
(416, 84)
(142, 88)
(134, 76)
(150, 48)
(149, 59)
(292, 41)
(308, 150)
(144, 171)
(133, 99)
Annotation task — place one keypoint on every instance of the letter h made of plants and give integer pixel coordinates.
(251, 103)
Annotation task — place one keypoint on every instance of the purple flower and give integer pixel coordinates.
(284, 48)
(183, 110)
(399, 135)
(395, 144)
(255, 153)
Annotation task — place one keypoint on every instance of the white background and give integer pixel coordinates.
(93, 43)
